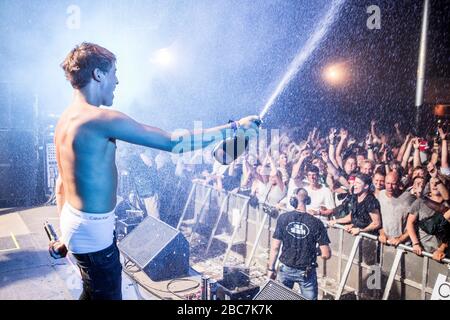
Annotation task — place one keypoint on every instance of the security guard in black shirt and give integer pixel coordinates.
(301, 234)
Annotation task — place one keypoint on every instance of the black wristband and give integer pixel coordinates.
(416, 244)
(234, 125)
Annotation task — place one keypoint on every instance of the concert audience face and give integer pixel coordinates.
(263, 172)
(418, 172)
(391, 184)
(395, 166)
(312, 175)
(350, 165)
(367, 167)
(273, 179)
(379, 181)
(359, 186)
(283, 160)
(319, 164)
(434, 191)
(418, 185)
(360, 160)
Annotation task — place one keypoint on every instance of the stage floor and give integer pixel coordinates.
(27, 272)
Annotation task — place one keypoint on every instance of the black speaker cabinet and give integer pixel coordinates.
(236, 276)
(158, 249)
(236, 293)
(274, 290)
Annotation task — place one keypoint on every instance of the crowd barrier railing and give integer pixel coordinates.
(399, 272)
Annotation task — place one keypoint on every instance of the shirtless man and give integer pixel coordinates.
(85, 139)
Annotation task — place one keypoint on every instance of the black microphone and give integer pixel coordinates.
(53, 237)
(50, 231)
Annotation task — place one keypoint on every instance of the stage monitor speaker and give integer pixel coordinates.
(236, 276)
(274, 290)
(158, 249)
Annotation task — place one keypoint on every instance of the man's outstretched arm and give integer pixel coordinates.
(117, 125)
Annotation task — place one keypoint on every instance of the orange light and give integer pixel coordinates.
(336, 74)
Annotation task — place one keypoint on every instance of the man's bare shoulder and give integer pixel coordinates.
(86, 114)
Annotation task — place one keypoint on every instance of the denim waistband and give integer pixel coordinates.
(302, 267)
(98, 256)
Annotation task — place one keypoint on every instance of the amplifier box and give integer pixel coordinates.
(235, 276)
(240, 293)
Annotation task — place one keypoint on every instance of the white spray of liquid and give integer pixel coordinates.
(305, 52)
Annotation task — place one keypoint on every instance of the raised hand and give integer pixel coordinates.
(416, 143)
(432, 170)
(309, 138)
(351, 141)
(369, 139)
(332, 135)
(442, 134)
(343, 133)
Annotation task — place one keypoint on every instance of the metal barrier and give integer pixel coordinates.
(400, 277)
(248, 223)
(413, 285)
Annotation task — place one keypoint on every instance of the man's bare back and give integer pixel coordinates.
(86, 159)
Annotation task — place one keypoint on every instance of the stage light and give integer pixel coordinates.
(164, 58)
(336, 74)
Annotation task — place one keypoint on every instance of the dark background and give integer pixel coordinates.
(384, 70)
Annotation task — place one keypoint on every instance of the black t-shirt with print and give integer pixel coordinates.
(300, 233)
(360, 214)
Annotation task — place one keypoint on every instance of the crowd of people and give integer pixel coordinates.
(392, 185)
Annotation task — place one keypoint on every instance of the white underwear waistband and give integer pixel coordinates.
(84, 232)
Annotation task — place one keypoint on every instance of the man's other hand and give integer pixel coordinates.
(57, 249)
